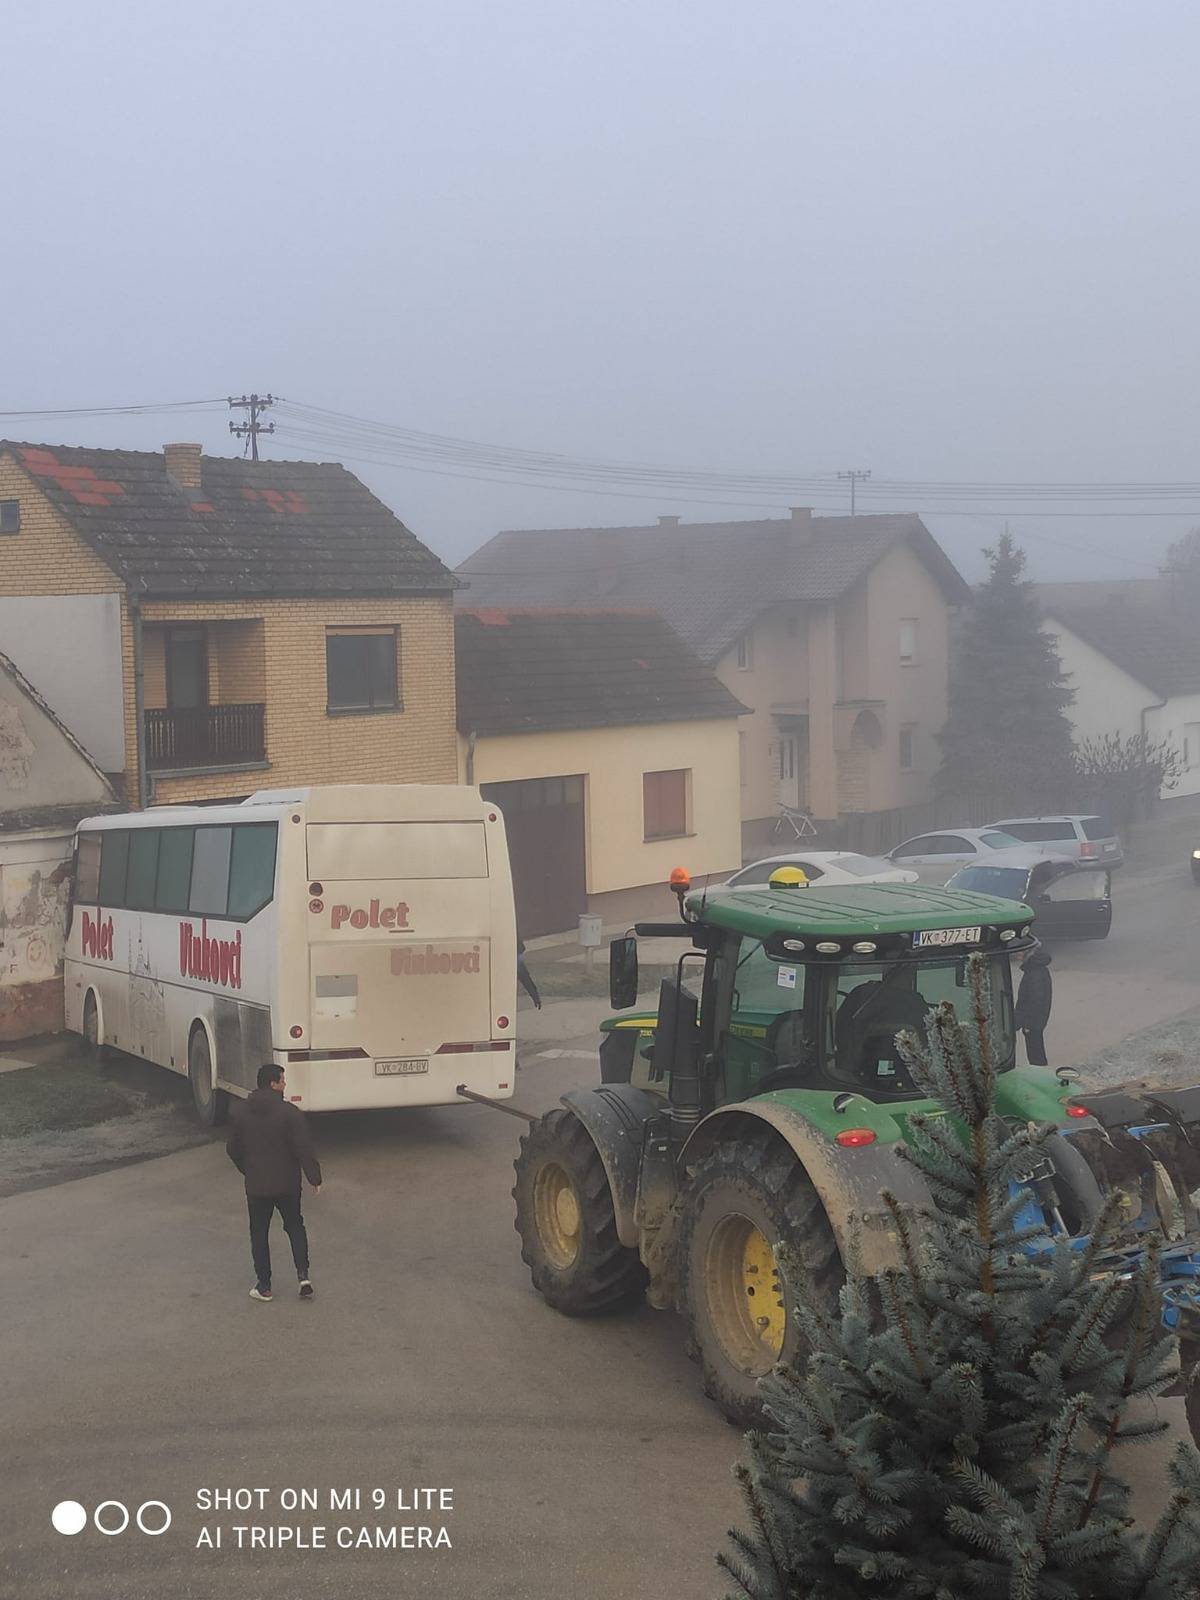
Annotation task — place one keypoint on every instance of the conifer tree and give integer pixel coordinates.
(954, 1433)
(1006, 732)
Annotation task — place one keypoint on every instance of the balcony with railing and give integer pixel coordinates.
(182, 739)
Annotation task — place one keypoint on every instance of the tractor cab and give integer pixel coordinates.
(793, 987)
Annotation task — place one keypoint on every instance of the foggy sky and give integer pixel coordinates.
(939, 239)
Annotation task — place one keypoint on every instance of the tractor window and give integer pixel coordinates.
(868, 1005)
(767, 1028)
(764, 985)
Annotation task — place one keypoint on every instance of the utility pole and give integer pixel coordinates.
(856, 476)
(254, 404)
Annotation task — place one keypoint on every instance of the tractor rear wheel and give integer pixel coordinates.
(567, 1222)
(752, 1225)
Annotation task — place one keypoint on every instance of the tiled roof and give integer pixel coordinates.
(709, 579)
(252, 528)
(1154, 643)
(530, 671)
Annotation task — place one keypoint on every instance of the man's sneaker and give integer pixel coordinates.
(261, 1294)
(306, 1289)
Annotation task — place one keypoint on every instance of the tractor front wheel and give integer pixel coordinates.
(753, 1225)
(567, 1222)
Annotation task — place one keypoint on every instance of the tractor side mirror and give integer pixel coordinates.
(623, 973)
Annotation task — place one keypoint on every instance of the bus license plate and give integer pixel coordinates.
(927, 937)
(400, 1068)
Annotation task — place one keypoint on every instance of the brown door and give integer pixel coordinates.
(543, 818)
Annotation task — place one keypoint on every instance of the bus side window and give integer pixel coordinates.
(87, 869)
(174, 869)
(114, 859)
(143, 869)
(252, 868)
(210, 872)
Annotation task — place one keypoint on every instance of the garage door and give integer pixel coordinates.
(543, 818)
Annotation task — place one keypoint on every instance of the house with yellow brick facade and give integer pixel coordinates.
(612, 751)
(832, 631)
(209, 626)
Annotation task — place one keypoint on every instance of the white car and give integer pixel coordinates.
(828, 867)
(937, 856)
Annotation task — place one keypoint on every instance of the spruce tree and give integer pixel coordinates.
(1006, 733)
(954, 1432)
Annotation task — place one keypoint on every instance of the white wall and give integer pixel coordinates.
(69, 647)
(1109, 700)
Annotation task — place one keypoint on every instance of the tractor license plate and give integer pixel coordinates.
(400, 1068)
(927, 938)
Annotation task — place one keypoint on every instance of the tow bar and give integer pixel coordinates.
(496, 1105)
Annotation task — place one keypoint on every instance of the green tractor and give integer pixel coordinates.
(742, 1135)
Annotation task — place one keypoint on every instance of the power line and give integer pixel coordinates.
(113, 411)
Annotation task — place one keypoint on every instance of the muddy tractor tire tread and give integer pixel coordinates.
(760, 1177)
(604, 1274)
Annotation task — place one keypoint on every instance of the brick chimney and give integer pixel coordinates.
(183, 464)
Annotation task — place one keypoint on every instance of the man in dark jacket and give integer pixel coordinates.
(1035, 994)
(269, 1145)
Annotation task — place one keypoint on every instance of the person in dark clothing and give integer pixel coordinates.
(1035, 995)
(525, 977)
(270, 1146)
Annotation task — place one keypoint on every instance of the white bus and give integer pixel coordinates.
(360, 935)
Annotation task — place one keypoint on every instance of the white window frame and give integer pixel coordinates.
(908, 641)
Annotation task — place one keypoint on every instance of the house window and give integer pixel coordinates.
(664, 803)
(10, 516)
(908, 641)
(360, 669)
(906, 749)
(1191, 744)
(745, 650)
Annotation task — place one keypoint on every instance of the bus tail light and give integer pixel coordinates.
(296, 1031)
(467, 1049)
(502, 1022)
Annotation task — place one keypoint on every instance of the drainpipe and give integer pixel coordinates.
(139, 703)
(1155, 705)
(471, 756)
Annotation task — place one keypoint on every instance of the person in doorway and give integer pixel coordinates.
(269, 1144)
(1035, 995)
(525, 977)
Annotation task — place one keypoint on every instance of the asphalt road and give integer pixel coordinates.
(582, 1456)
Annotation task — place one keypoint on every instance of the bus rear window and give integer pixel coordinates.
(379, 850)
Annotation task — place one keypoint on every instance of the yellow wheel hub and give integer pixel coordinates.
(745, 1295)
(557, 1215)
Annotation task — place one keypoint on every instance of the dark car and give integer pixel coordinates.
(1070, 899)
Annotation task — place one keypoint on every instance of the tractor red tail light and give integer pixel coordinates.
(1078, 1111)
(855, 1138)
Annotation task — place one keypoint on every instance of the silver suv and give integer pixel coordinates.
(1084, 838)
